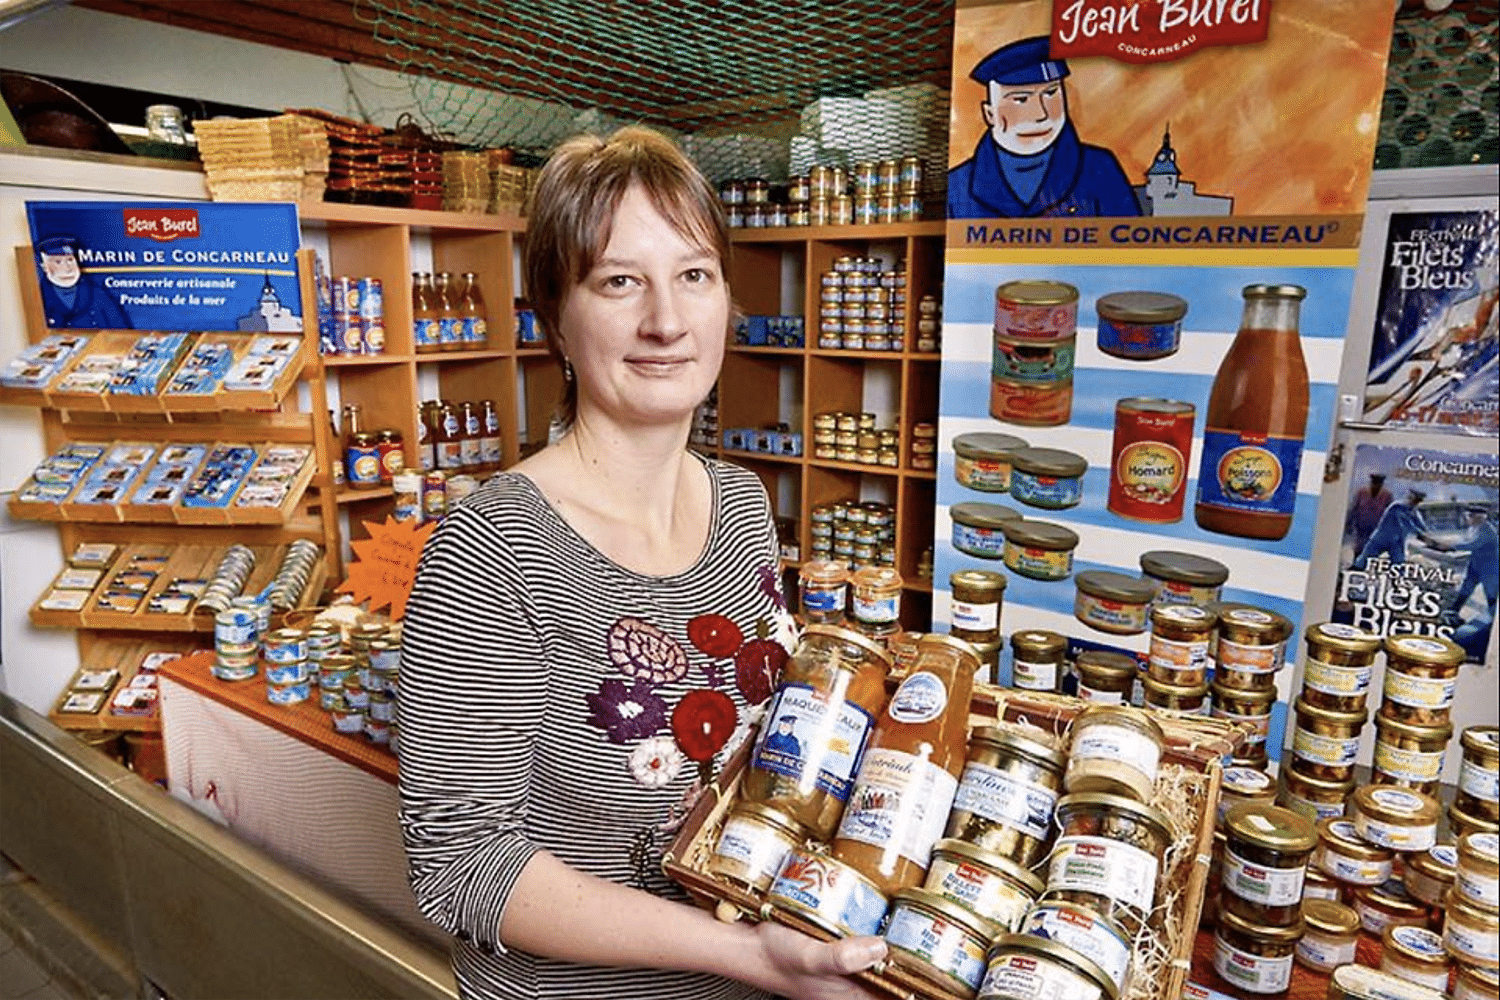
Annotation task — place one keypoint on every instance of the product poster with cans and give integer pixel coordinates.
(167, 265)
(1418, 554)
(1147, 286)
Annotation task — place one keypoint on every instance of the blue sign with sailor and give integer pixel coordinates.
(1031, 163)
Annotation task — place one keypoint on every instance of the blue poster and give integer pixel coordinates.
(167, 266)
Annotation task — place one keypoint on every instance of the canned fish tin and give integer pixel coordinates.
(937, 940)
(334, 670)
(1092, 935)
(285, 645)
(385, 656)
(1112, 602)
(756, 839)
(376, 731)
(1025, 360)
(827, 893)
(981, 461)
(978, 528)
(1024, 967)
(1036, 310)
(1039, 549)
(382, 706)
(349, 721)
(1031, 404)
(287, 693)
(1049, 478)
(287, 672)
(1140, 326)
(1151, 449)
(234, 668)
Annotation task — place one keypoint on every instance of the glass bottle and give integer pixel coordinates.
(426, 438)
(906, 783)
(471, 311)
(1256, 421)
(445, 300)
(448, 440)
(489, 436)
(468, 447)
(426, 335)
(336, 443)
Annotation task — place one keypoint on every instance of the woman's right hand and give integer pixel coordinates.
(800, 967)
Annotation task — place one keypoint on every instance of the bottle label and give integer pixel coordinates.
(1251, 659)
(489, 450)
(449, 331)
(426, 332)
(900, 801)
(806, 737)
(474, 329)
(1253, 473)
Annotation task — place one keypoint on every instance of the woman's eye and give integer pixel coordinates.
(617, 281)
(698, 275)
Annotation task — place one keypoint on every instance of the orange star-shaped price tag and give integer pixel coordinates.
(386, 564)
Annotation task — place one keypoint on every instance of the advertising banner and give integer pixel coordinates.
(1419, 546)
(167, 266)
(1154, 212)
(1435, 355)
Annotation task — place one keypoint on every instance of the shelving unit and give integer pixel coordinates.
(777, 272)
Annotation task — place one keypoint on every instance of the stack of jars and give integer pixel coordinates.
(929, 325)
(1249, 649)
(887, 191)
(974, 614)
(840, 436)
(867, 599)
(1330, 714)
(854, 533)
(1177, 664)
(862, 306)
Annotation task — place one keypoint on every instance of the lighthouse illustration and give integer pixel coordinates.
(1166, 193)
(269, 315)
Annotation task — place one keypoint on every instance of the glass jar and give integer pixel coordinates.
(1253, 957)
(1477, 875)
(754, 842)
(1421, 674)
(1265, 859)
(1472, 982)
(1090, 934)
(936, 940)
(1106, 678)
(1040, 550)
(1430, 874)
(1037, 659)
(834, 683)
(1249, 647)
(1115, 749)
(1479, 776)
(975, 607)
(1471, 934)
(824, 585)
(1183, 578)
(1251, 711)
(1462, 823)
(1239, 784)
(1414, 954)
(1325, 742)
(1320, 885)
(1380, 906)
(876, 595)
(1360, 982)
(1339, 664)
(1409, 754)
(1026, 966)
(1161, 696)
(1107, 856)
(1007, 794)
(996, 890)
(1402, 819)
(1112, 602)
(1179, 643)
(1343, 854)
(1329, 937)
(1313, 797)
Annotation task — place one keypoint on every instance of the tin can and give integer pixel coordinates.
(362, 467)
(434, 495)
(1036, 310)
(349, 720)
(377, 731)
(828, 893)
(1140, 326)
(408, 488)
(235, 627)
(1024, 360)
(371, 312)
(388, 450)
(285, 645)
(348, 332)
(1153, 444)
(1032, 404)
(287, 692)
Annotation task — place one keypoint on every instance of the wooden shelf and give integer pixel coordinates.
(365, 360)
(872, 233)
(348, 494)
(378, 215)
(761, 456)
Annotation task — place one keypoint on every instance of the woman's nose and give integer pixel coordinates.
(664, 314)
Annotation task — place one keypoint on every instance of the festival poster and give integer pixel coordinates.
(1418, 554)
(1095, 146)
(1435, 354)
(167, 266)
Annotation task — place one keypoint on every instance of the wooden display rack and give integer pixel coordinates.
(123, 655)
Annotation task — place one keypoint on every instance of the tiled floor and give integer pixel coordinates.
(21, 978)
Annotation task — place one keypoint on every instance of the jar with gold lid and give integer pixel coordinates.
(1325, 742)
(1330, 935)
(1042, 968)
(1461, 822)
(1346, 856)
(1473, 982)
(998, 890)
(1115, 749)
(1313, 797)
(977, 595)
(1477, 874)
(1380, 906)
(876, 597)
(1410, 754)
(1107, 856)
(1320, 885)
(1414, 954)
(1251, 711)
(1007, 794)
(752, 845)
(1471, 934)
(1037, 661)
(1478, 791)
(1403, 819)
(1159, 695)
(1249, 646)
(1254, 957)
(1265, 860)
(1429, 875)
(1339, 664)
(1106, 678)
(1421, 674)
(1179, 643)
(1240, 784)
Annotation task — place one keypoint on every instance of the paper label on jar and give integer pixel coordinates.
(756, 847)
(1003, 798)
(1032, 676)
(1334, 680)
(804, 732)
(1127, 746)
(1325, 953)
(1107, 867)
(1484, 891)
(1097, 697)
(1399, 838)
(1028, 978)
(1479, 782)
(1175, 655)
(987, 894)
(876, 610)
(900, 799)
(1324, 749)
(1360, 871)
(1079, 930)
(1250, 659)
(1260, 725)
(1420, 692)
(975, 617)
(1475, 946)
(1251, 973)
(1409, 765)
(944, 945)
(1260, 884)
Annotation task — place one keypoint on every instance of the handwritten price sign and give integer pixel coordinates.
(385, 564)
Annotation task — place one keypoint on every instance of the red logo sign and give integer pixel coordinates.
(1151, 31)
(161, 224)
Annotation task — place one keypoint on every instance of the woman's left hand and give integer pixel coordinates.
(800, 967)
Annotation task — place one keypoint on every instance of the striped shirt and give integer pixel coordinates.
(554, 700)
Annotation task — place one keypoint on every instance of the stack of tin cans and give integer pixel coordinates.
(862, 306)
(288, 673)
(358, 316)
(857, 534)
(229, 578)
(293, 574)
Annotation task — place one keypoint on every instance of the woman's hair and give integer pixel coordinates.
(573, 207)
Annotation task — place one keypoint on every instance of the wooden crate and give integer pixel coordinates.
(1196, 749)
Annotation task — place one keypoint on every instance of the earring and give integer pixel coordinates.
(567, 370)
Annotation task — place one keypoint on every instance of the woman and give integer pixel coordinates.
(580, 645)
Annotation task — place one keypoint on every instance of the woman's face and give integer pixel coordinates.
(645, 329)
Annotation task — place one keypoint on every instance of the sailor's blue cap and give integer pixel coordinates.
(1027, 61)
(54, 245)
(788, 718)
